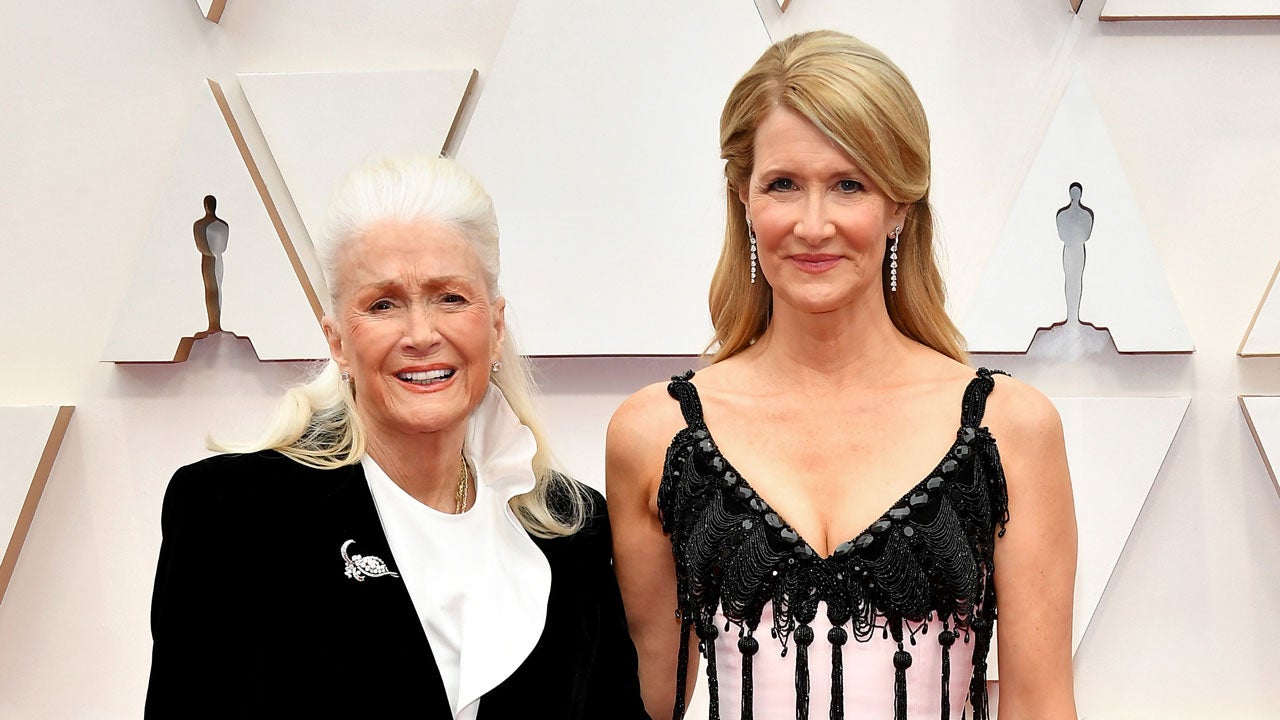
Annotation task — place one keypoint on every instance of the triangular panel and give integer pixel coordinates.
(320, 126)
(1263, 415)
(1124, 289)
(1115, 448)
(1190, 9)
(1263, 335)
(212, 9)
(32, 436)
(261, 293)
(597, 135)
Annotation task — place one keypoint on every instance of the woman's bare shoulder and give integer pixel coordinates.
(1029, 431)
(642, 427)
(1020, 413)
(649, 407)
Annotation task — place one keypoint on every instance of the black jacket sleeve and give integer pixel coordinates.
(614, 688)
(193, 665)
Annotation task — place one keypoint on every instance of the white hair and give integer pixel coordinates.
(316, 423)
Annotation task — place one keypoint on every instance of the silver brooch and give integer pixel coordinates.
(361, 566)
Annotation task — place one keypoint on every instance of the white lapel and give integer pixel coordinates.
(506, 608)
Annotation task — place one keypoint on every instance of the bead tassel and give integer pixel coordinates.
(803, 636)
(837, 636)
(748, 646)
(713, 681)
(946, 638)
(682, 669)
(982, 626)
(901, 661)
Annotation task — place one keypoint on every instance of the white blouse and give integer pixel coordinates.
(479, 583)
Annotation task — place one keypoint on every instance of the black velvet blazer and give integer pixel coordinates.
(253, 615)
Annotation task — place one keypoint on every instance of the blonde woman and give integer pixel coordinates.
(843, 526)
(397, 545)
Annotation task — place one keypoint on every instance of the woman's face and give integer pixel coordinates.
(414, 326)
(821, 225)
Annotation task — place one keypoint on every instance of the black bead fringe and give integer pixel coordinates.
(682, 668)
(803, 636)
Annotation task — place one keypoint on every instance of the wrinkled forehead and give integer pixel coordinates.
(411, 254)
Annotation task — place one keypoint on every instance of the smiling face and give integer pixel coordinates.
(414, 326)
(821, 224)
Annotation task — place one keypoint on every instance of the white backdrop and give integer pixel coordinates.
(94, 100)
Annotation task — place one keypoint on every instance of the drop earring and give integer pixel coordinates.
(893, 259)
(751, 236)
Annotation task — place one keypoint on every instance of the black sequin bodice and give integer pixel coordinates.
(929, 557)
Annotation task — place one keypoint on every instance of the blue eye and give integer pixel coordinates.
(782, 184)
(850, 186)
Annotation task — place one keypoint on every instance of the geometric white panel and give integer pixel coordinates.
(600, 157)
(212, 9)
(1070, 341)
(32, 436)
(1263, 334)
(1263, 415)
(262, 296)
(320, 126)
(1115, 448)
(1124, 287)
(1190, 9)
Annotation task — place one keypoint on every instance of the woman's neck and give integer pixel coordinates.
(425, 465)
(855, 345)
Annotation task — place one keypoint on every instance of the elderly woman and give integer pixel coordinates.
(841, 521)
(398, 543)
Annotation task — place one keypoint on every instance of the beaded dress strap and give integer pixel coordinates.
(975, 397)
(690, 405)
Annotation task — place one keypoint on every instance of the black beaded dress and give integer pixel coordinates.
(773, 619)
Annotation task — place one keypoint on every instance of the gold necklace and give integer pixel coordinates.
(464, 483)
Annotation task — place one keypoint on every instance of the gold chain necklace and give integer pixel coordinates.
(464, 484)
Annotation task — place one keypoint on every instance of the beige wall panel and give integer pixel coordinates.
(212, 9)
(1263, 334)
(261, 296)
(32, 437)
(1124, 287)
(1189, 9)
(1115, 448)
(596, 134)
(1263, 416)
(321, 125)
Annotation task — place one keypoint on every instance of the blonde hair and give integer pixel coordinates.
(316, 424)
(859, 99)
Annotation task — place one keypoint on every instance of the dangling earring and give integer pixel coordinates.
(346, 376)
(496, 366)
(893, 259)
(751, 235)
